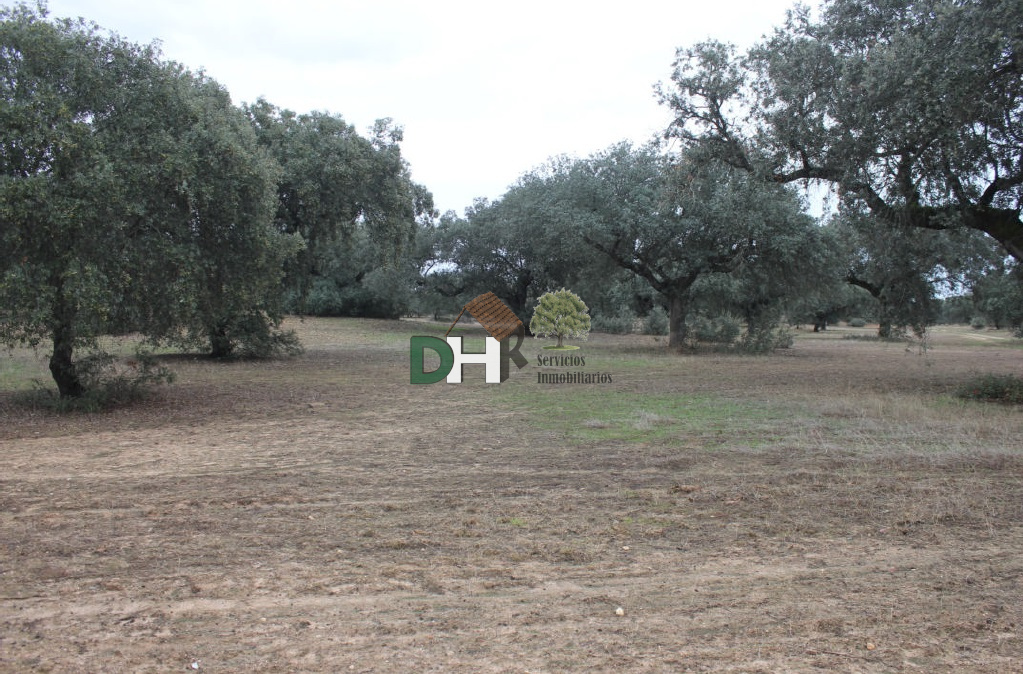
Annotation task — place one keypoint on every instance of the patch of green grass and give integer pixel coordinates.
(874, 338)
(644, 521)
(20, 369)
(596, 416)
(515, 522)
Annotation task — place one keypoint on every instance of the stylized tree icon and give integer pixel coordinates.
(560, 314)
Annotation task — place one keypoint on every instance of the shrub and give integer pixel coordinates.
(108, 382)
(621, 323)
(1002, 388)
(273, 343)
(369, 299)
(656, 322)
(978, 323)
(765, 341)
(256, 335)
(717, 330)
(856, 323)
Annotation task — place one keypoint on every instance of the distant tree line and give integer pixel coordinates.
(135, 197)
(910, 112)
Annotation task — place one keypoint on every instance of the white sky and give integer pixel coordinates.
(485, 91)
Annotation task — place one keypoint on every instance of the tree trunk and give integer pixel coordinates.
(678, 309)
(560, 339)
(220, 343)
(62, 366)
(885, 321)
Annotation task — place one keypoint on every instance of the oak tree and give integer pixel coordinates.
(132, 198)
(673, 220)
(912, 107)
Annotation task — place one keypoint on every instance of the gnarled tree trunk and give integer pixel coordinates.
(678, 305)
(62, 365)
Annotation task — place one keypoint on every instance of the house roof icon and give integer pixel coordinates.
(494, 315)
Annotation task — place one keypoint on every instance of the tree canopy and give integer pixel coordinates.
(673, 220)
(507, 247)
(81, 214)
(135, 197)
(913, 107)
(337, 190)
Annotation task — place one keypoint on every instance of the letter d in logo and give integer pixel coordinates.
(417, 353)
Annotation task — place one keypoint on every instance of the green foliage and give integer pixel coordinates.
(956, 310)
(978, 323)
(994, 388)
(913, 108)
(998, 295)
(673, 221)
(656, 322)
(653, 226)
(107, 381)
(89, 178)
(351, 200)
(621, 323)
(376, 295)
(910, 109)
(353, 281)
(509, 247)
(721, 329)
(237, 256)
(253, 335)
(133, 197)
(857, 323)
(560, 314)
(902, 268)
(765, 335)
(612, 291)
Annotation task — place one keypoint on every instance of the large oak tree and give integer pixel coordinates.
(914, 107)
(672, 221)
(131, 198)
(346, 195)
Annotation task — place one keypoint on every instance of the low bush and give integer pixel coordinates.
(656, 322)
(877, 338)
(1002, 388)
(108, 382)
(717, 330)
(766, 341)
(617, 324)
(258, 337)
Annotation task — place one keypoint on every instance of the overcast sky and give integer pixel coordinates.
(485, 91)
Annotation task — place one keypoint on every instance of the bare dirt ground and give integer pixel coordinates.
(828, 508)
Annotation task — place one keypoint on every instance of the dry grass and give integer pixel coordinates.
(831, 507)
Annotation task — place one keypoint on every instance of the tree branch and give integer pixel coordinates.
(997, 185)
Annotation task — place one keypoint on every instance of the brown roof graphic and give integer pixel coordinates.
(493, 314)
